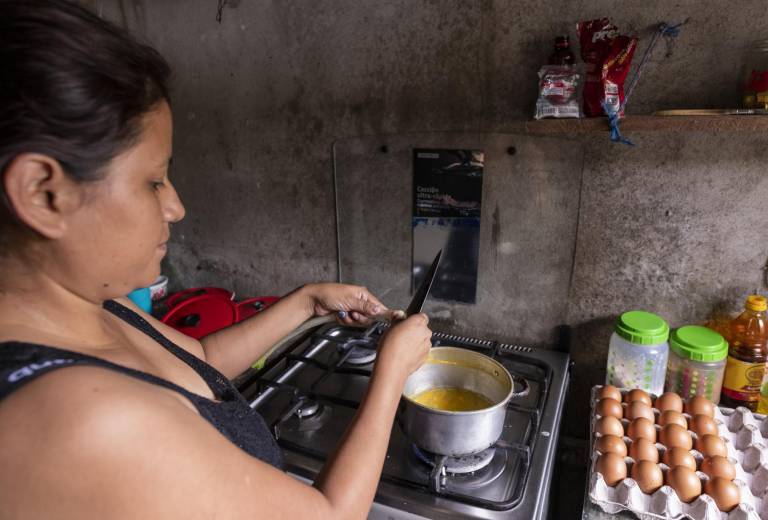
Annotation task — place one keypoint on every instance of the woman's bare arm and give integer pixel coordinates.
(85, 442)
(110, 447)
(345, 480)
(234, 349)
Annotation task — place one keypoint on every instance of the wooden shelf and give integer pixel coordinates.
(719, 123)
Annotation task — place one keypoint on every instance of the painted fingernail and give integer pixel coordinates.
(342, 314)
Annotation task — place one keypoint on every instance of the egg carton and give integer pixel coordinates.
(745, 436)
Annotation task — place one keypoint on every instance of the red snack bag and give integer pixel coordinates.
(607, 56)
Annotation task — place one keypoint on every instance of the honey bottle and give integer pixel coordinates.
(747, 355)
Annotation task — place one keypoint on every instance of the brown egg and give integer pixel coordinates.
(609, 425)
(703, 425)
(711, 445)
(724, 492)
(638, 395)
(674, 457)
(700, 405)
(685, 483)
(718, 466)
(672, 417)
(608, 406)
(643, 449)
(611, 392)
(675, 436)
(648, 476)
(642, 428)
(637, 409)
(612, 467)
(669, 401)
(611, 444)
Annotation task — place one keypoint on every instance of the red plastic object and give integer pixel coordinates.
(251, 306)
(178, 297)
(201, 314)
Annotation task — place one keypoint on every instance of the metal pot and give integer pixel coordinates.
(456, 433)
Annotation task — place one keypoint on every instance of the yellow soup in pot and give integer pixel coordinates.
(452, 399)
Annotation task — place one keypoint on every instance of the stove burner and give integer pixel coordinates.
(309, 416)
(457, 465)
(521, 388)
(358, 351)
(308, 409)
(466, 473)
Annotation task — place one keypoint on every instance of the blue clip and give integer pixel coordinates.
(663, 30)
(613, 122)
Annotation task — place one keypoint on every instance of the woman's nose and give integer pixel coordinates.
(173, 208)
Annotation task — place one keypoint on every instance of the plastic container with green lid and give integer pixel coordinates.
(637, 355)
(696, 362)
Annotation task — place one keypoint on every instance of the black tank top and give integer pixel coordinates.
(21, 363)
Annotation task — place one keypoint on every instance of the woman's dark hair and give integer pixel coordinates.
(72, 86)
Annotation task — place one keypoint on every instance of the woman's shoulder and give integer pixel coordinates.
(64, 399)
(82, 426)
(73, 409)
(83, 441)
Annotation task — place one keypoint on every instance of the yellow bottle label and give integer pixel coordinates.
(762, 404)
(742, 380)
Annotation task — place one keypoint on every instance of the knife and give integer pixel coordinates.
(420, 296)
(417, 302)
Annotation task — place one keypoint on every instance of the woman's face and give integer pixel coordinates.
(120, 232)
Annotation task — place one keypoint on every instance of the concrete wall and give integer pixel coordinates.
(674, 224)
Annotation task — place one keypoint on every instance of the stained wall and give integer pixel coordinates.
(674, 224)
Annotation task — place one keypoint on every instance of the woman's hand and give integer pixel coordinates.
(353, 304)
(405, 346)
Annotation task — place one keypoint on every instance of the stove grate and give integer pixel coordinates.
(310, 364)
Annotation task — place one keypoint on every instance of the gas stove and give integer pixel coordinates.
(309, 393)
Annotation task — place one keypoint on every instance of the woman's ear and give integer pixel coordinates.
(40, 193)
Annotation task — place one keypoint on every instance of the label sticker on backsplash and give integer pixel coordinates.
(447, 196)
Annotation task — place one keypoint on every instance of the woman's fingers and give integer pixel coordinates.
(354, 305)
(362, 305)
(355, 318)
(345, 318)
(395, 315)
(368, 304)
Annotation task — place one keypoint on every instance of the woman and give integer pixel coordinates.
(104, 411)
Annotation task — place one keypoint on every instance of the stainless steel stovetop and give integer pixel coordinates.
(311, 391)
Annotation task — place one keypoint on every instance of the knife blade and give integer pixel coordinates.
(420, 296)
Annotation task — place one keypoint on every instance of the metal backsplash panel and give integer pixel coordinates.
(527, 237)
